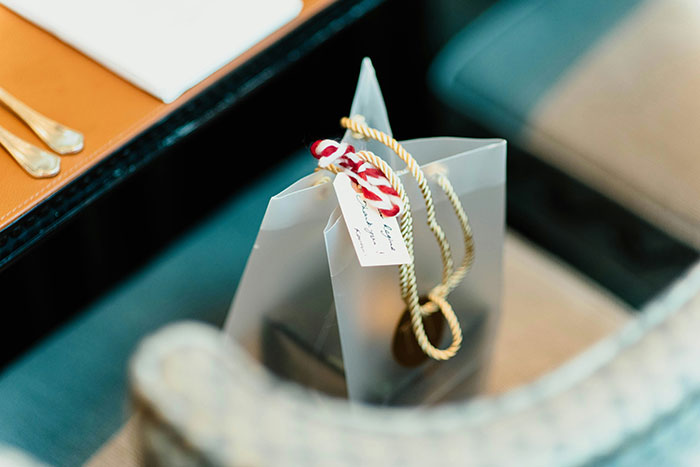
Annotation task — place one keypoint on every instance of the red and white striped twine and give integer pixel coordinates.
(375, 187)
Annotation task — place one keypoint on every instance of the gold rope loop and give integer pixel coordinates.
(407, 276)
(450, 280)
(444, 290)
(452, 322)
(412, 165)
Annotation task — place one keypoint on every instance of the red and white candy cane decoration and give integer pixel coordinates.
(374, 185)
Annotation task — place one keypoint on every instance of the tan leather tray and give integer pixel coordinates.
(65, 85)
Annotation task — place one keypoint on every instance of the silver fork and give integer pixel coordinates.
(58, 137)
(36, 162)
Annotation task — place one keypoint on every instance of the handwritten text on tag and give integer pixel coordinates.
(377, 239)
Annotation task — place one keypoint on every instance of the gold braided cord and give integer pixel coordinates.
(407, 275)
(412, 165)
(449, 281)
(456, 277)
(407, 280)
(467, 234)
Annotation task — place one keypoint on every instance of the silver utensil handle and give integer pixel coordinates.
(60, 138)
(37, 163)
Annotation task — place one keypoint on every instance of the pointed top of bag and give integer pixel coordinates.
(369, 103)
(368, 100)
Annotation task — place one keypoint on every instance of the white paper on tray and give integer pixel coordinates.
(162, 46)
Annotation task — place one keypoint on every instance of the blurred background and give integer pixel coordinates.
(596, 99)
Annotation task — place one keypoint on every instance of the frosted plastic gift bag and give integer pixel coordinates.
(303, 292)
(283, 309)
(368, 302)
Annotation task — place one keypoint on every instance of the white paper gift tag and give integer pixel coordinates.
(377, 239)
